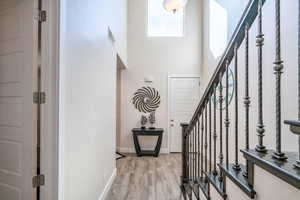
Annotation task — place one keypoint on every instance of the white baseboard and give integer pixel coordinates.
(132, 150)
(108, 185)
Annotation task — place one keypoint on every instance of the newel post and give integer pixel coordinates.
(185, 146)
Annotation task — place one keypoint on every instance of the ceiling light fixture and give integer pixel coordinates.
(174, 5)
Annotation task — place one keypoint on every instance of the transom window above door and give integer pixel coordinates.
(162, 23)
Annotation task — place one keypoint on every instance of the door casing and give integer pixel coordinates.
(50, 83)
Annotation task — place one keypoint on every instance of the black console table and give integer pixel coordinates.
(147, 132)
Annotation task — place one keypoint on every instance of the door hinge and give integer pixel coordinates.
(42, 15)
(39, 97)
(38, 181)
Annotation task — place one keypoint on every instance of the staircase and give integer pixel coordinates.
(206, 162)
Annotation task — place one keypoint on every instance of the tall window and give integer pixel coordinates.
(162, 23)
(218, 32)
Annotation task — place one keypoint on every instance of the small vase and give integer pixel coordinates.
(152, 120)
(143, 121)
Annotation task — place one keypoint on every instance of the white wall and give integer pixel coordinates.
(266, 185)
(157, 57)
(88, 94)
(234, 10)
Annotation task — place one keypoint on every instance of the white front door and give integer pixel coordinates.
(184, 96)
(18, 80)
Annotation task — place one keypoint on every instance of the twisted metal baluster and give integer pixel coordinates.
(227, 114)
(189, 156)
(202, 132)
(210, 134)
(278, 66)
(196, 147)
(196, 152)
(215, 172)
(205, 143)
(196, 157)
(236, 165)
(221, 128)
(192, 158)
(192, 173)
(247, 98)
(193, 154)
(259, 43)
(198, 126)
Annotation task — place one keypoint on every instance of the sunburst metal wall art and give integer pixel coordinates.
(146, 99)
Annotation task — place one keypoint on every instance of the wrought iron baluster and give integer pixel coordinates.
(215, 172)
(193, 152)
(227, 114)
(196, 153)
(198, 127)
(202, 132)
(278, 66)
(221, 123)
(247, 98)
(196, 157)
(189, 155)
(259, 43)
(210, 134)
(193, 156)
(185, 163)
(205, 142)
(236, 165)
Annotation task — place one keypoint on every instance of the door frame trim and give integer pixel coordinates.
(50, 110)
(170, 76)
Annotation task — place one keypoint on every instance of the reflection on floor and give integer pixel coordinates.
(147, 178)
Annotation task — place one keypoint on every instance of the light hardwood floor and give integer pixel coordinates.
(147, 178)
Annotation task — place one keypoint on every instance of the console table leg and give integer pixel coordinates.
(158, 145)
(136, 145)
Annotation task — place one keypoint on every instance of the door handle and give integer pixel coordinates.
(172, 120)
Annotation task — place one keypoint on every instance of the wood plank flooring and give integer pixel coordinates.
(147, 178)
